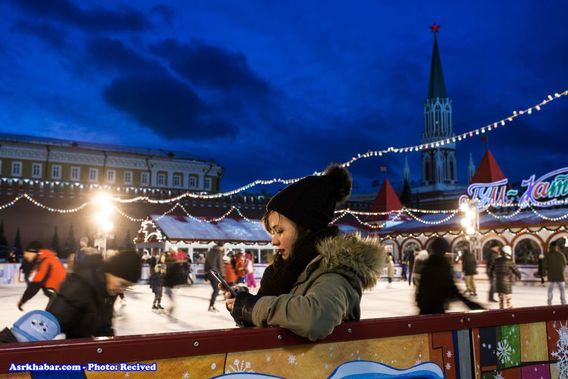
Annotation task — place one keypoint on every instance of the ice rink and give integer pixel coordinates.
(190, 312)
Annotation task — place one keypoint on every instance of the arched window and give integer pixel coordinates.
(427, 167)
(408, 249)
(527, 251)
(486, 249)
(437, 120)
(451, 167)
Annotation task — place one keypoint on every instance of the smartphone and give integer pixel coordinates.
(223, 282)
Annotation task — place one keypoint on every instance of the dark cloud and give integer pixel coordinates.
(94, 19)
(212, 67)
(165, 12)
(111, 53)
(51, 35)
(167, 106)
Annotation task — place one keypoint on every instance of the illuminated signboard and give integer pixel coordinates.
(548, 190)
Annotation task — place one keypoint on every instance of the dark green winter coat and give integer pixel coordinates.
(554, 265)
(328, 291)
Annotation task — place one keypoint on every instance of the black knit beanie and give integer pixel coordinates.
(33, 247)
(126, 265)
(311, 201)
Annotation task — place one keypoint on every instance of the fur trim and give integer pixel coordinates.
(363, 258)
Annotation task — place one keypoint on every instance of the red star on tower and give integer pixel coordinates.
(435, 28)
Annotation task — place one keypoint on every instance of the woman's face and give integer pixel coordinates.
(284, 234)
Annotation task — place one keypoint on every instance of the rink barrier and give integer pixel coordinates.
(516, 343)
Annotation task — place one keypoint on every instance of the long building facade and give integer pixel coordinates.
(58, 176)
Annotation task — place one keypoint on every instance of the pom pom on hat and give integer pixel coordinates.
(311, 201)
(507, 251)
(126, 265)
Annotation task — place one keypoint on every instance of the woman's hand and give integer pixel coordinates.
(229, 301)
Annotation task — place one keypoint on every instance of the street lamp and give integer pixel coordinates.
(102, 218)
(470, 222)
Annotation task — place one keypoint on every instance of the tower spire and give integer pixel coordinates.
(437, 86)
(439, 164)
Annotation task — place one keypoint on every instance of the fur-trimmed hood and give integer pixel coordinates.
(360, 259)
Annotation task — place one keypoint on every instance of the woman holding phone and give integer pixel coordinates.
(318, 276)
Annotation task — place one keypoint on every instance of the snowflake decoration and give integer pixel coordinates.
(268, 358)
(449, 354)
(185, 375)
(213, 366)
(561, 353)
(292, 360)
(504, 352)
(448, 366)
(499, 375)
(239, 366)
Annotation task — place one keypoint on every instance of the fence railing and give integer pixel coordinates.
(514, 343)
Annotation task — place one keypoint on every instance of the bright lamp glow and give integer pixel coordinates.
(102, 200)
(107, 226)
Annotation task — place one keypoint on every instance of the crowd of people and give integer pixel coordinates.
(80, 298)
(500, 269)
(314, 283)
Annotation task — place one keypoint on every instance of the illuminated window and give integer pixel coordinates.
(177, 180)
(161, 179)
(16, 168)
(75, 173)
(144, 179)
(192, 181)
(93, 174)
(36, 170)
(56, 171)
(111, 176)
(128, 177)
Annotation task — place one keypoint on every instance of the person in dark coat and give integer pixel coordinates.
(436, 287)
(214, 261)
(502, 270)
(84, 304)
(554, 265)
(469, 268)
(157, 285)
(174, 276)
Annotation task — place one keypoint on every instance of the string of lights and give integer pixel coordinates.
(374, 153)
(438, 222)
(38, 204)
(555, 219)
(340, 213)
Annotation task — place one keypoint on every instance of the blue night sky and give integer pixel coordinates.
(280, 89)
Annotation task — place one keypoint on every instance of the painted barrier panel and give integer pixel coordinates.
(523, 343)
